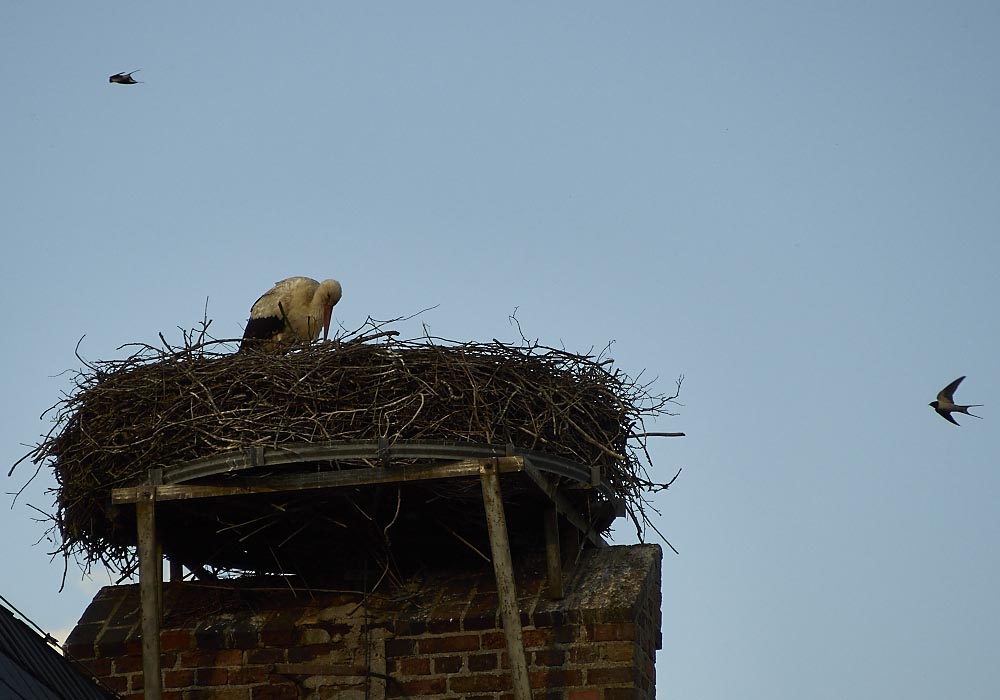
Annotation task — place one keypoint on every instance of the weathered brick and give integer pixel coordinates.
(266, 656)
(447, 664)
(479, 622)
(620, 694)
(298, 654)
(617, 651)
(550, 618)
(611, 632)
(135, 682)
(173, 640)
(447, 617)
(313, 635)
(584, 694)
(566, 634)
(642, 682)
(340, 629)
(557, 694)
(611, 676)
(202, 659)
(482, 662)
(556, 678)
(534, 638)
(416, 688)
(411, 628)
(478, 683)
(285, 691)
(583, 654)
(400, 647)
(178, 679)
(414, 666)
(217, 693)
(248, 675)
(341, 693)
(549, 657)
(481, 613)
(444, 645)
(279, 631)
(128, 664)
(113, 640)
(493, 640)
(133, 645)
(211, 676)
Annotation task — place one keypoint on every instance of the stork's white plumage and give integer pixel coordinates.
(293, 310)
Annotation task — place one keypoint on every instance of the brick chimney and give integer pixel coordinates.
(433, 636)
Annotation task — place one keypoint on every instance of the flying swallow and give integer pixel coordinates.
(124, 78)
(945, 404)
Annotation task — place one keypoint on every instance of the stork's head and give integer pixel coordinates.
(329, 292)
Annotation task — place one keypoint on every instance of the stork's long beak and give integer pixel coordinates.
(327, 313)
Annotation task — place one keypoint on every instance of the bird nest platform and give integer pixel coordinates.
(216, 419)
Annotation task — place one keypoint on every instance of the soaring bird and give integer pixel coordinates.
(945, 404)
(293, 310)
(124, 78)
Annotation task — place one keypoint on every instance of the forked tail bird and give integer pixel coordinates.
(124, 78)
(945, 404)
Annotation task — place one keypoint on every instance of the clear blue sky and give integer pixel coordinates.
(793, 204)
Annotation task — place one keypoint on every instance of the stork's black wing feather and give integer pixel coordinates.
(262, 329)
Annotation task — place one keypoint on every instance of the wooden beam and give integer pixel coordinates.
(249, 458)
(553, 556)
(150, 575)
(503, 568)
(315, 480)
(563, 505)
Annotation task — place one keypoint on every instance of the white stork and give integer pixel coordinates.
(293, 310)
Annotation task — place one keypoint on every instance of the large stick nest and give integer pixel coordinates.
(163, 406)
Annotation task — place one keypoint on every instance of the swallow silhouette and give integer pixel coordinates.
(945, 404)
(124, 78)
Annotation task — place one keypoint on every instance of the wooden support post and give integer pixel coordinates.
(159, 581)
(376, 665)
(553, 554)
(150, 582)
(503, 568)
